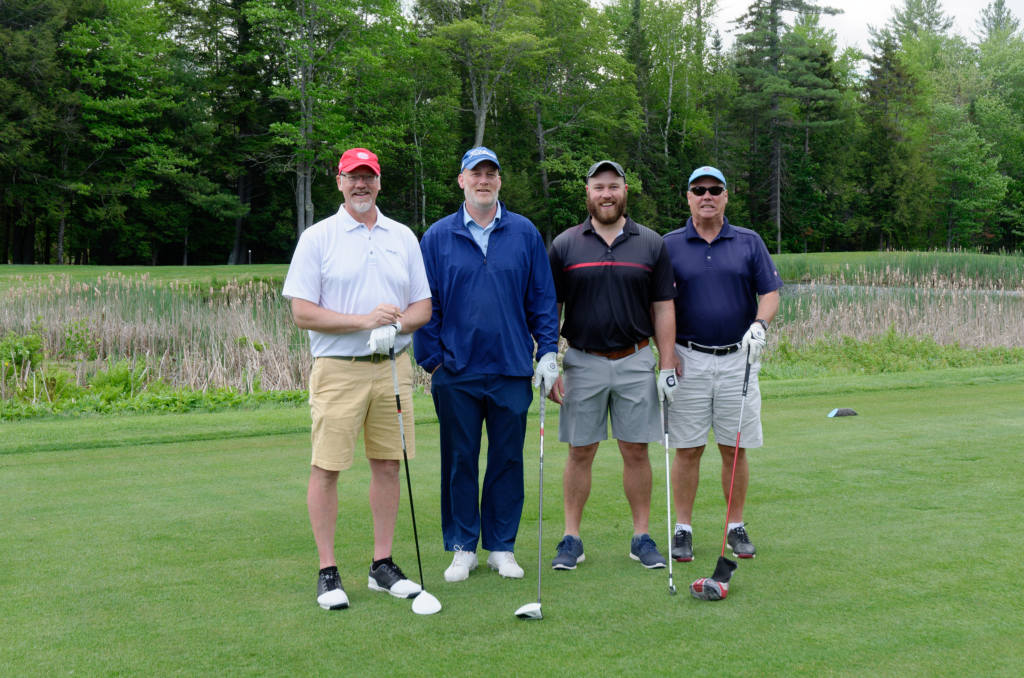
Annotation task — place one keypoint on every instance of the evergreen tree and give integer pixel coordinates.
(772, 80)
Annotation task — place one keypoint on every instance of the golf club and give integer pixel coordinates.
(423, 603)
(668, 493)
(532, 610)
(716, 587)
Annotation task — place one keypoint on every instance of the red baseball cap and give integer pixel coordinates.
(358, 157)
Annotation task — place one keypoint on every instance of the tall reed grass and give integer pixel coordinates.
(960, 314)
(239, 335)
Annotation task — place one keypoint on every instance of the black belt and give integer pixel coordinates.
(372, 358)
(713, 350)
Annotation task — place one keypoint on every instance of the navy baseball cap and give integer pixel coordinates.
(706, 171)
(475, 156)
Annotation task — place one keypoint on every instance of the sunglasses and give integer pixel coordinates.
(701, 190)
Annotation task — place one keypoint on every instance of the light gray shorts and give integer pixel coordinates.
(709, 395)
(595, 386)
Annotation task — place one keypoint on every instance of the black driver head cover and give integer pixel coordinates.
(724, 570)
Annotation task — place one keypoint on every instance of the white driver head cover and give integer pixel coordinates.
(529, 611)
(425, 603)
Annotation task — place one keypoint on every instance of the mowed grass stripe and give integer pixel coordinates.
(884, 548)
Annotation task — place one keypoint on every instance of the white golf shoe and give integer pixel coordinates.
(505, 563)
(462, 563)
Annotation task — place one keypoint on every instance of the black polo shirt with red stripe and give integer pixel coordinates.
(607, 291)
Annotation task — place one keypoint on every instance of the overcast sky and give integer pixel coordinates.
(851, 26)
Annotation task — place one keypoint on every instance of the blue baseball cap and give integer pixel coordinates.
(706, 171)
(475, 156)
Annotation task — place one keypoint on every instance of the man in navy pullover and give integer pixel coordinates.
(493, 297)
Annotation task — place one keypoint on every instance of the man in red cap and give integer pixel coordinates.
(358, 284)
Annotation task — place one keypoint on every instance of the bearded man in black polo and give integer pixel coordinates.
(614, 280)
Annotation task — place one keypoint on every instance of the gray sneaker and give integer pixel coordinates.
(570, 552)
(682, 546)
(739, 543)
(643, 549)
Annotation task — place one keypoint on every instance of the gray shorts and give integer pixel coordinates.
(709, 395)
(595, 386)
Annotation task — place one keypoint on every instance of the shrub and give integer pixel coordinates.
(20, 353)
(121, 379)
(79, 342)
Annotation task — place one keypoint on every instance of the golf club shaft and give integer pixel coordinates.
(736, 452)
(405, 461)
(540, 501)
(668, 491)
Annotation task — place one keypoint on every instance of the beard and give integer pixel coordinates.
(606, 216)
(361, 206)
(477, 204)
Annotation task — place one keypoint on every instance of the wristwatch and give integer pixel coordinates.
(763, 323)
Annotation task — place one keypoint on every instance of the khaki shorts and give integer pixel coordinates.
(709, 396)
(346, 397)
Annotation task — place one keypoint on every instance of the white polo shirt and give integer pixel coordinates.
(342, 266)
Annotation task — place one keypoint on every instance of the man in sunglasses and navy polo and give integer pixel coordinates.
(727, 293)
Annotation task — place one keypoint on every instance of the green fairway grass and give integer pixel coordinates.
(180, 545)
(11, 274)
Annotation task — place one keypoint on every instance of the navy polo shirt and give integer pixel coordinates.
(607, 290)
(717, 283)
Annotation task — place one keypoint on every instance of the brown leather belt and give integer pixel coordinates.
(619, 353)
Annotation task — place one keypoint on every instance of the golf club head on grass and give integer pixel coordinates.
(425, 603)
(715, 587)
(530, 611)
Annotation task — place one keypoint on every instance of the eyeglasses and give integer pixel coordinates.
(701, 190)
(356, 178)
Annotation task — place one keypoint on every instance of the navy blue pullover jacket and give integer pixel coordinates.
(487, 311)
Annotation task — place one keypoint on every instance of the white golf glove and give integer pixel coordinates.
(382, 339)
(666, 385)
(753, 341)
(546, 373)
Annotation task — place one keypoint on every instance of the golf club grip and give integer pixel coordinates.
(746, 374)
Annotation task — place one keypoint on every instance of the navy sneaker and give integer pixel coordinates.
(643, 549)
(570, 552)
(682, 546)
(329, 593)
(739, 543)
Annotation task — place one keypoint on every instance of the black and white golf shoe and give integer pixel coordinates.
(682, 546)
(389, 577)
(329, 593)
(739, 543)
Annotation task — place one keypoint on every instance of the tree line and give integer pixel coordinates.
(208, 131)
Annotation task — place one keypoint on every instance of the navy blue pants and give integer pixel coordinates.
(464, 402)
